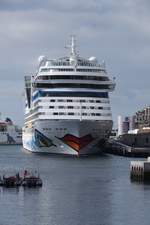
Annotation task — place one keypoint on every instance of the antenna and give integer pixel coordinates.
(72, 46)
(73, 54)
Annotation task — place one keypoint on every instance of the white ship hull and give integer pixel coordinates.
(10, 138)
(66, 137)
(9, 135)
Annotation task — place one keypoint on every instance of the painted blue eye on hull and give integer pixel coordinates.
(41, 140)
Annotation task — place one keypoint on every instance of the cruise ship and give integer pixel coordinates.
(10, 134)
(67, 107)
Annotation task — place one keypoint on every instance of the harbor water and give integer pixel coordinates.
(76, 191)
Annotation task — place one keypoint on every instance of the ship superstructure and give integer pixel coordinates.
(67, 105)
(10, 133)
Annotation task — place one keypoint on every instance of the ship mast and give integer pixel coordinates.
(73, 46)
(73, 53)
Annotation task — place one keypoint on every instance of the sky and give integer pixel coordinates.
(115, 31)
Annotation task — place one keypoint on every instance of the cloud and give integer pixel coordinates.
(12, 101)
(116, 31)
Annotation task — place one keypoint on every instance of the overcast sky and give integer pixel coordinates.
(115, 31)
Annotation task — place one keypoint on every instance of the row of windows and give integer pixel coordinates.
(70, 94)
(66, 114)
(73, 77)
(82, 101)
(68, 107)
(76, 107)
(72, 85)
(47, 129)
(70, 69)
(75, 101)
(56, 69)
(72, 114)
(89, 70)
(76, 114)
(70, 100)
(66, 62)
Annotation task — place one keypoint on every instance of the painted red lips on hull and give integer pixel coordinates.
(77, 143)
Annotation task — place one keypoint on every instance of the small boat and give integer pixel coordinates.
(32, 181)
(11, 181)
(28, 179)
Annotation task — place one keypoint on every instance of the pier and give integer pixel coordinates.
(117, 148)
(140, 170)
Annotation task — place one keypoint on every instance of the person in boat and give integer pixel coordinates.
(25, 173)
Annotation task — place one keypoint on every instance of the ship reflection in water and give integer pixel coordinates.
(75, 191)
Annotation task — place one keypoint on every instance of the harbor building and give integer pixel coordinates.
(123, 125)
(135, 130)
(142, 118)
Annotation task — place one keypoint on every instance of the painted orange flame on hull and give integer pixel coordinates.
(77, 143)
